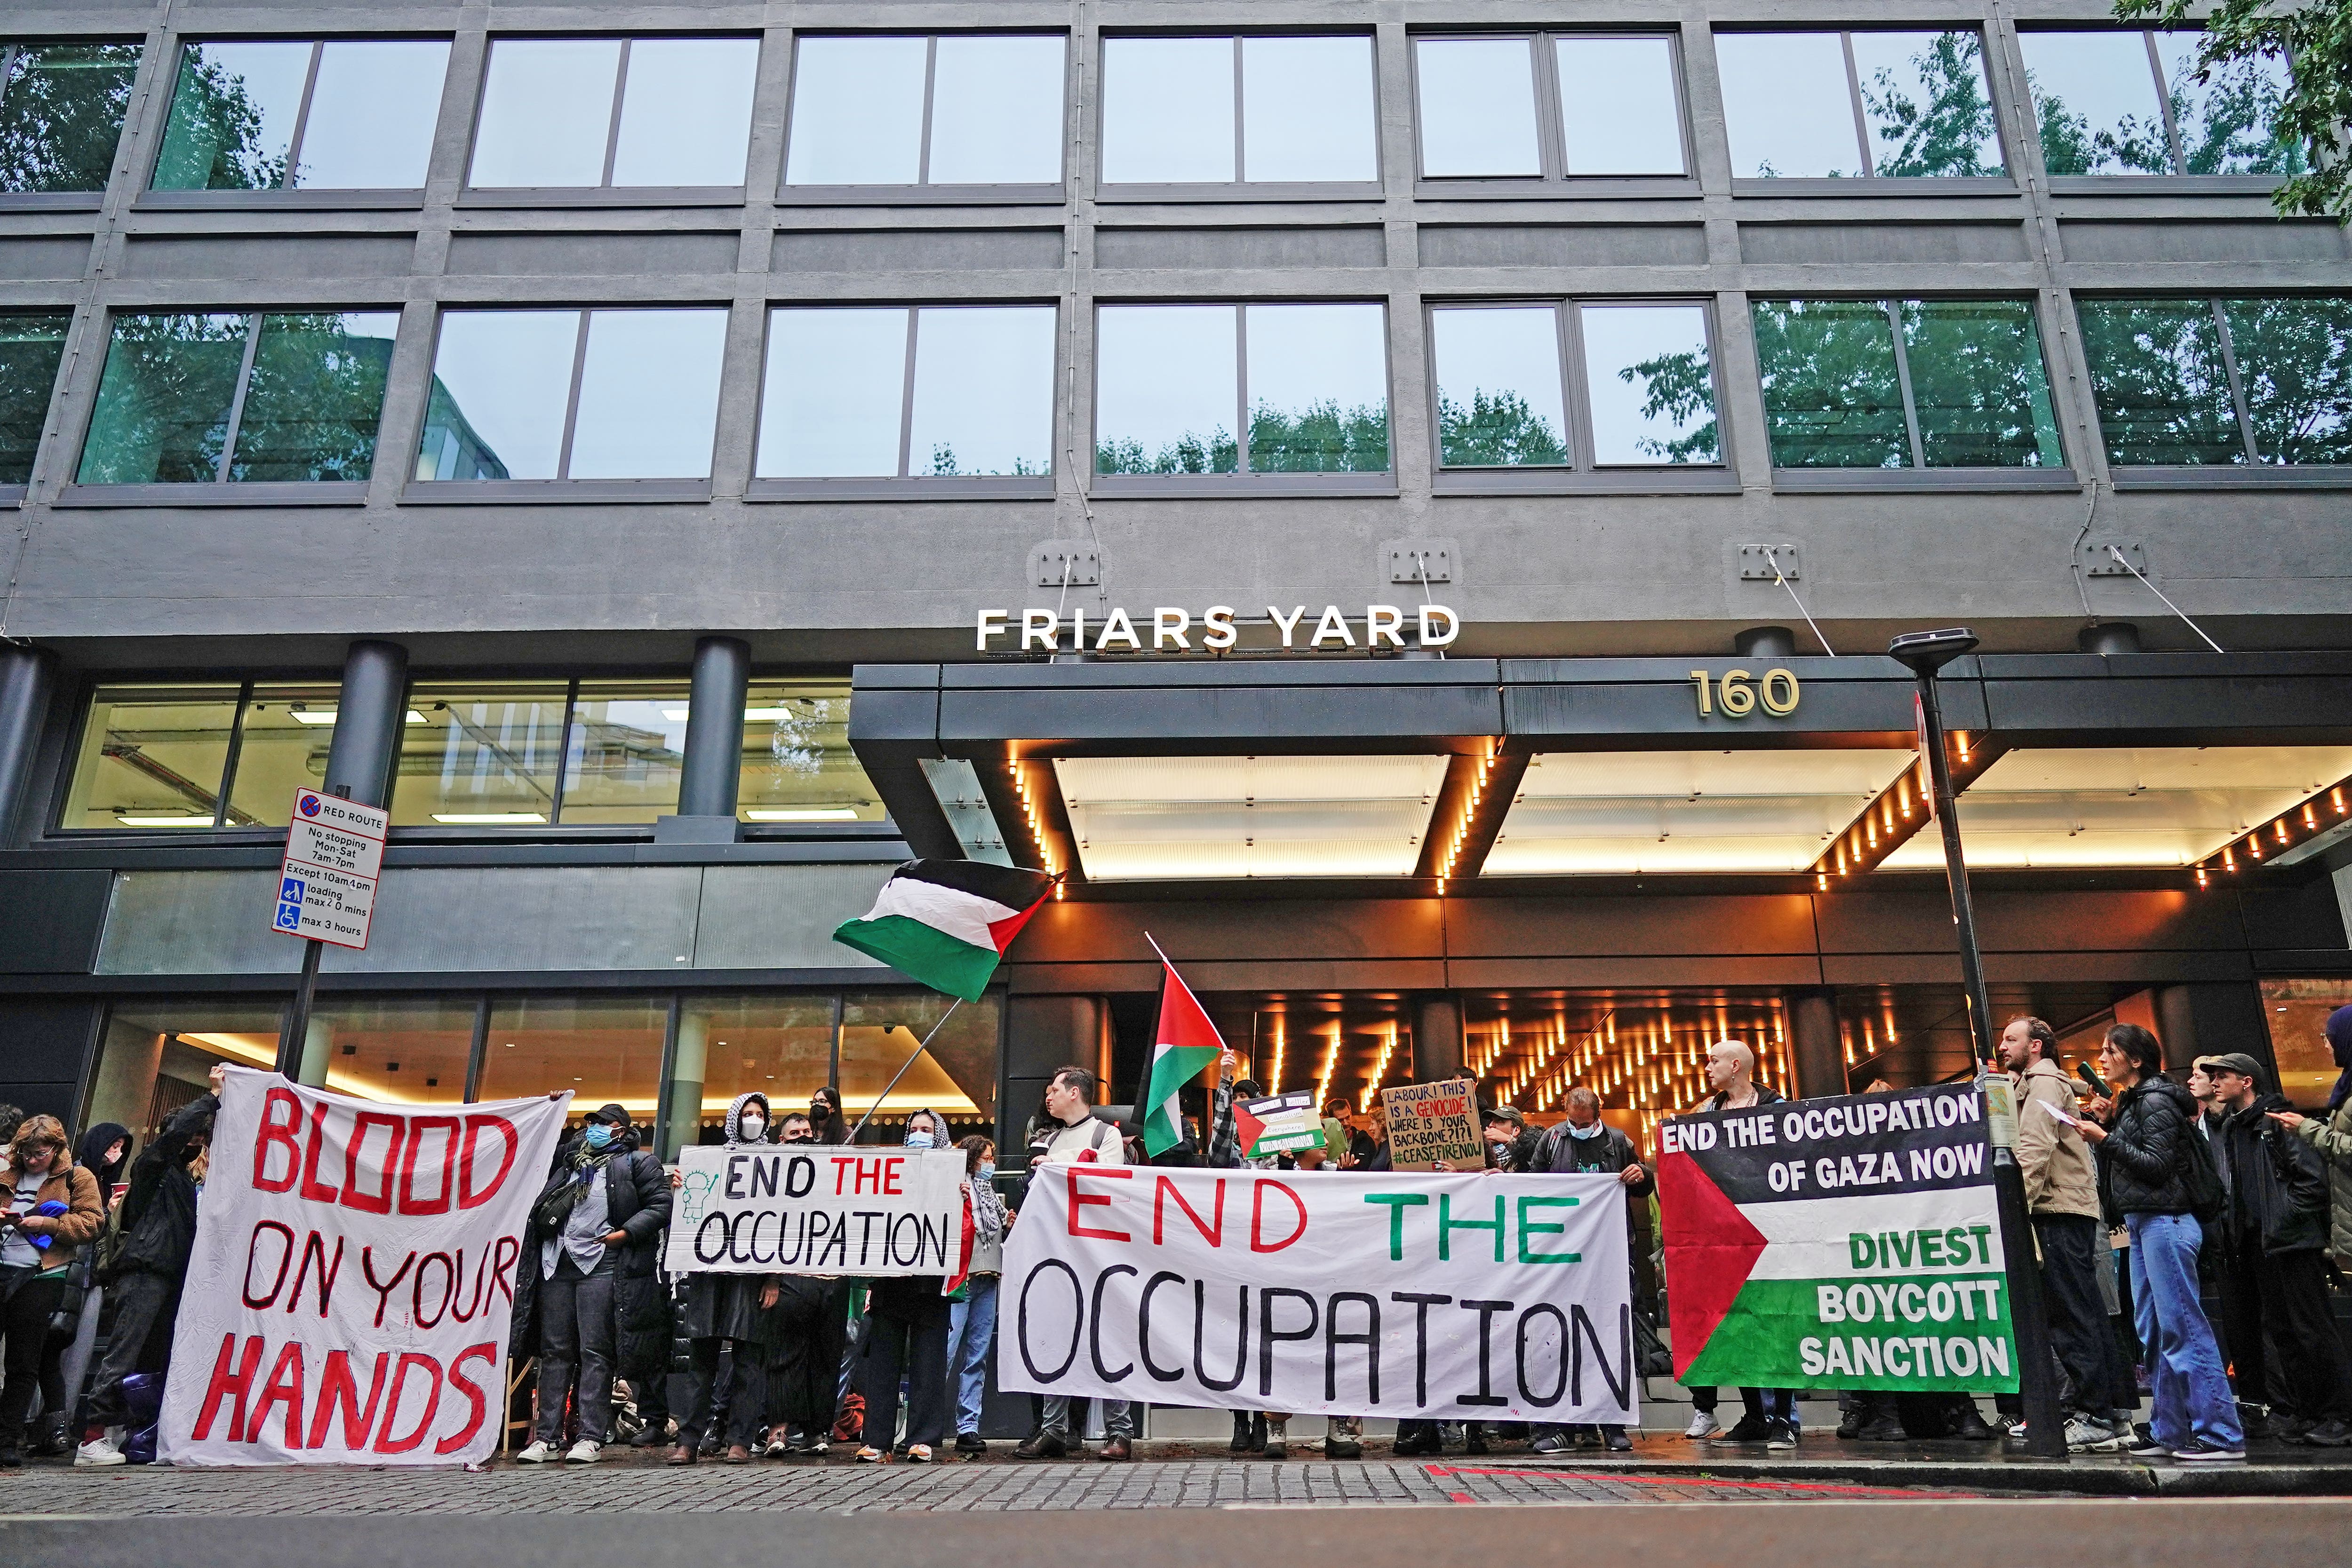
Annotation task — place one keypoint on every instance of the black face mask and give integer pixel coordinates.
(800, 1137)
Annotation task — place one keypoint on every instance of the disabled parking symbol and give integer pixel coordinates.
(289, 903)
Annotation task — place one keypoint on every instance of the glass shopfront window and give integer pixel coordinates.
(606, 1049)
(797, 765)
(2296, 1012)
(157, 1056)
(779, 1046)
(165, 757)
(413, 1050)
(956, 1076)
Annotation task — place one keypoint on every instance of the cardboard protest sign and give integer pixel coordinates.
(1433, 1122)
(1278, 1125)
(1850, 1242)
(1472, 1296)
(766, 1208)
(352, 1280)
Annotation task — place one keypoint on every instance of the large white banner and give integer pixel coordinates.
(1469, 1297)
(353, 1278)
(817, 1208)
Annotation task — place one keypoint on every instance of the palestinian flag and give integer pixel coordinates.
(948, 922)
(1184, 1044)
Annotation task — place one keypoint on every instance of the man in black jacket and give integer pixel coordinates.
(1584, 1144)
(2272, 1267)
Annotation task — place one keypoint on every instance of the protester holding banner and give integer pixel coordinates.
(1580, 1144)
(49, 1208)
(729, 1317)
(907, 1335)
(971, 1322)
(595, 1233)
(1073, 1136)
(157, 1225)
(807, 1347)
(2153, 1174)
(1770, 1415)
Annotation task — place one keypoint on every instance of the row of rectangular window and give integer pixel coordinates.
(980, 110)
(957, 390)
(474, 754)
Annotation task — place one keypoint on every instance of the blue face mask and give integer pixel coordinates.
(597, 1135)
(987, 1169)
(919, 1140)
(1592, 1132)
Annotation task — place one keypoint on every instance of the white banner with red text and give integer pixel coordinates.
(352, 1282)
(767, 1208)
(1460, 1297)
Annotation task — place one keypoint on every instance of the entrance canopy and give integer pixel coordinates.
(1433, 775)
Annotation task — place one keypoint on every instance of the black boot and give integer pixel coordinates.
(1257, 1434)
(1241, 1443)
(54, 1439)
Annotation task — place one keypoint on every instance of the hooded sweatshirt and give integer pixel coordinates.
(91, 1154)
(727, 1306)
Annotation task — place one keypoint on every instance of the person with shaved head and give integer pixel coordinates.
(1771, 1414)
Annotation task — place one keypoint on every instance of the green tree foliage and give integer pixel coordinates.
(2071, 144)
(946, 466)
(1216, 453)
(313, 403)
(1832, 396)
(1497, 430)
(2162, 386)
(2295, 362)
(1947, 127)
(213, 140)
(164, 400)
(1978, 385)
(61, 116)
(1678, 388)
(2315, 39)
(30, 349)
(1321, 438)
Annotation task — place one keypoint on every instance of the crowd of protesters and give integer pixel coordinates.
(2145, 1193)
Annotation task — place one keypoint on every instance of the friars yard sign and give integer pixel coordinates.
(1171, 630)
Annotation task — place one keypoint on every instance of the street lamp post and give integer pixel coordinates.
(1924, 653)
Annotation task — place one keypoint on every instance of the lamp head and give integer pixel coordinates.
(1924, 653)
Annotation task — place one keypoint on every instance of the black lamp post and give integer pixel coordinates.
(1924, 653)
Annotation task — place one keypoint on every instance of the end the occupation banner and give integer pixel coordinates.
(352, 1280)
(1838, 1243)
(762, 1208)
(1502, 1298)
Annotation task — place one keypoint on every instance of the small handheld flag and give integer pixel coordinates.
(1184, 1044)
(948, 922)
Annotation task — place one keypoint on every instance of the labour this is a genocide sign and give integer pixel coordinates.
(352, 1280)
(759, 1208)
(1499, 1298)
(1838, 1243)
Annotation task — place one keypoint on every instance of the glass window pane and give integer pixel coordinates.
(483, 756)
(1979, 384)
(31, 347)
(984, 391)
(1307, 109)
(777, 1046)
(1477, 106)
(1498, 391)
(1167, 110)
(1831, 399)
(857, 112)
(797, 765)
(1786, 105)
(1319, 389)
(649, 395)
(372, 115)
(1617, 106)
(2295, 362)
(151, 757)
(2228, 125)
(61, 116)
(685, 112)
(627, 745)
(2095, 98)
(835, 391)
(1167, 389)
(411, 1049)
(996, 112)
(315, 397)
(2162, 388)
(233, 113)
(158, 1055)
(282, 748)
(500, 380)
(606, 1049)
(1925, 100)
(1652, 383)
(164, 400)
(547, 113)
(956, 1077)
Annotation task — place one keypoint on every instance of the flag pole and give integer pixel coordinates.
(920, 1046)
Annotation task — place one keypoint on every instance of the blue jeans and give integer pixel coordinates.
(971, 1331)
(2192, 1396)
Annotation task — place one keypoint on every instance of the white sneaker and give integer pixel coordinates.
(537, 1454)
(2084, 1437)
(1702, 1427)
(583, 1452)
(106, 1448)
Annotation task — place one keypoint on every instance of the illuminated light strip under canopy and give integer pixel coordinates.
(1616, 812)
(2153, 806)
(1194, 817)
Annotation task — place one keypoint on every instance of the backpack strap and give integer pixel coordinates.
(1102, 1130)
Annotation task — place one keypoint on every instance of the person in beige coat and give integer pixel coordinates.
(2062, 1194)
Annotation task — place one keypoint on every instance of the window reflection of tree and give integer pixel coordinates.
(1946, 130)
(214, 139)
(61, 114)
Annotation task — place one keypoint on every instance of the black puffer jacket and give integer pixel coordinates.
(2277, 1184)
(727, 1306)
(159, 1211)
(2141, 1158)
(637, 1200)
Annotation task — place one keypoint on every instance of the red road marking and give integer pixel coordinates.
(1826, 1488)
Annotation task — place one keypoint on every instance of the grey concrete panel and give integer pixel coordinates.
(270, 257)
(915, 250)
(1562, 244)
(2243, 241)
(196, 923)
(530, 917)
(1915, 243)
(626, 254)
(782, 917)
(26, 257)
(1209, 249)
(50, 920)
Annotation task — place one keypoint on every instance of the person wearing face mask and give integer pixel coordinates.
(730, 1315)
(1583, 1144)
(971, 1322)
(907, 1335)
(826, 1121)
(811, 1322)
(594, 1233)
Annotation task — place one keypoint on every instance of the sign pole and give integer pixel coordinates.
(1926, 654)
(297, 1023)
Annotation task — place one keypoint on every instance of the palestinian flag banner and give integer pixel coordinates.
(1848, 1242)
(1184, 1044)
(948, 922)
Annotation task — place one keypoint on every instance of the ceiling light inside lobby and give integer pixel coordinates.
(1191, 818)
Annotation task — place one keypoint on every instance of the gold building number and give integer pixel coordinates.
(1740, 694)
